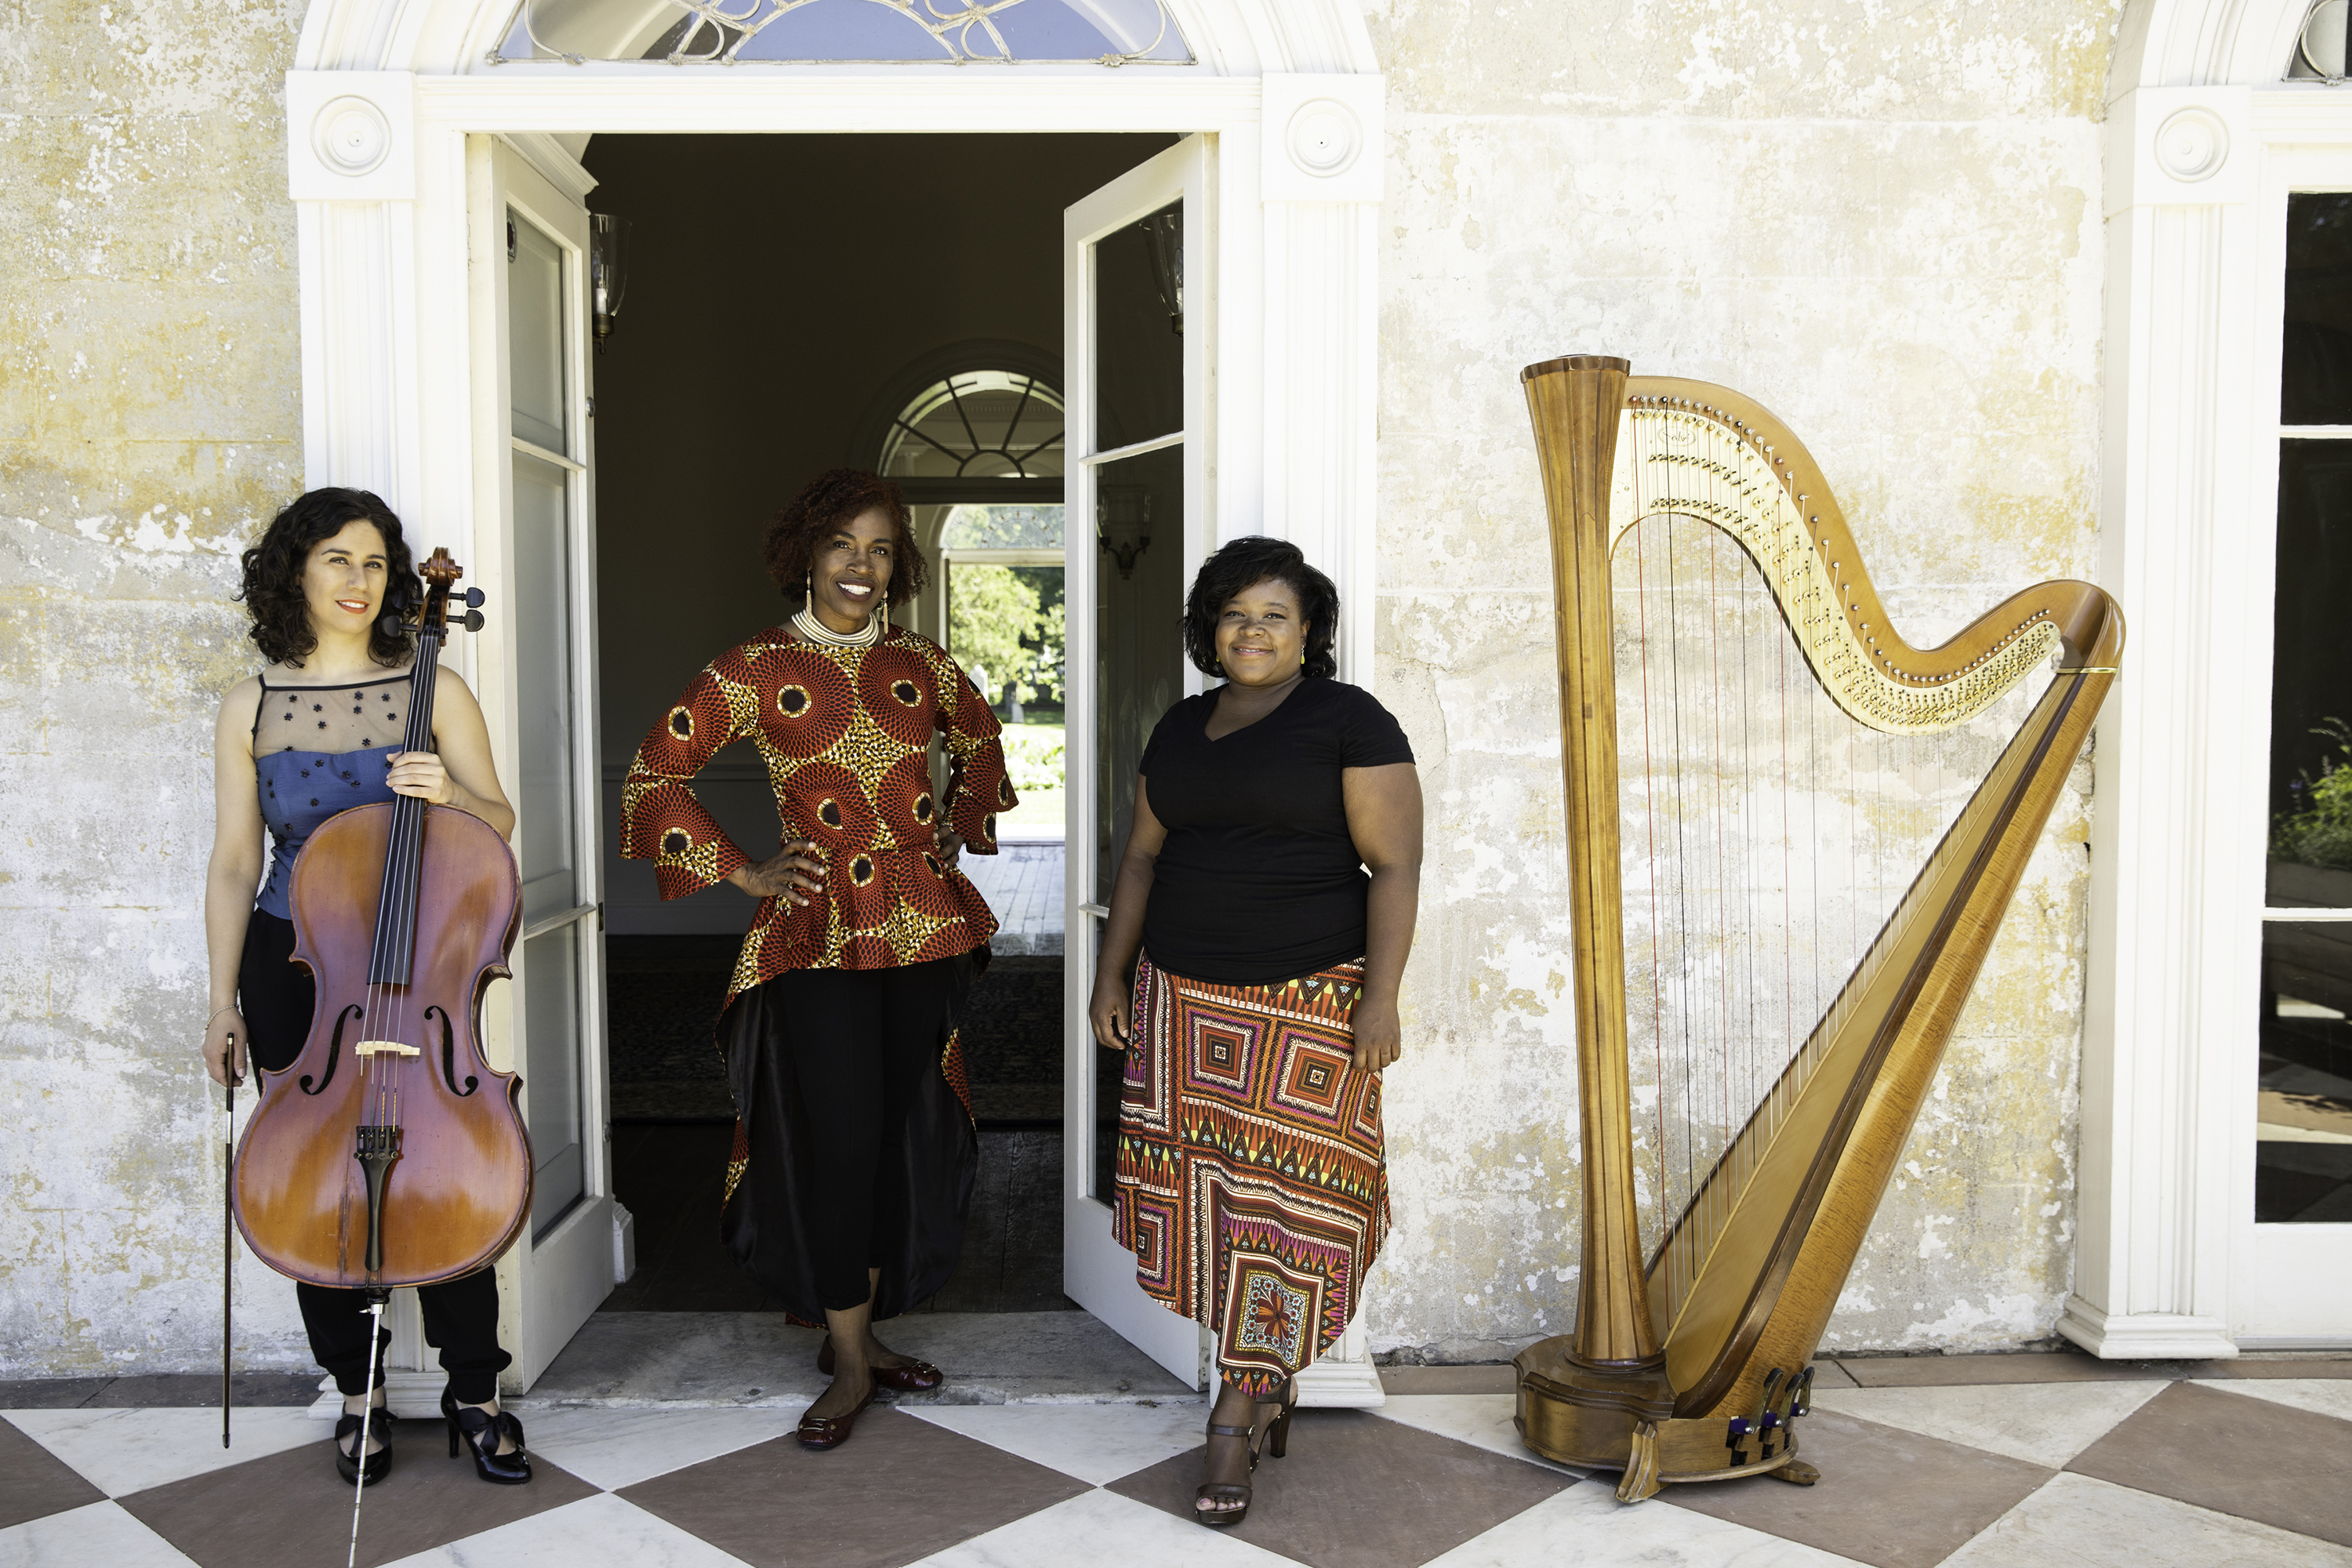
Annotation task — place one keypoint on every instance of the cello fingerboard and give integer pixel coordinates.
(392, 954)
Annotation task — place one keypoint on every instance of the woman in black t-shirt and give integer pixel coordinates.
(1252, 1184)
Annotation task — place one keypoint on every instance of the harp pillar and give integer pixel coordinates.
(1592, 1394)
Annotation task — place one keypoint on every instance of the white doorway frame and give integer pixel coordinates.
(2204, 141)
(386, 92)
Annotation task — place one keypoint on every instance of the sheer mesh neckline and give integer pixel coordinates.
(355, 716)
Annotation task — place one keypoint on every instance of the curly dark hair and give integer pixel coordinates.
(273, 575)
(1254, 559)
(830, 502)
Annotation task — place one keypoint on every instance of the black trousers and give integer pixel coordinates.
(461, 1316)
(860, 1043)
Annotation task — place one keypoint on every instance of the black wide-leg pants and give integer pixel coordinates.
(461, 1315)
(862, 1043)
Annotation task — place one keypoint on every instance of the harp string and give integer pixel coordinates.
(1768, 835)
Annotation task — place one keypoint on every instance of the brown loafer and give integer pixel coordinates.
(822, 1432)
(920, 1378)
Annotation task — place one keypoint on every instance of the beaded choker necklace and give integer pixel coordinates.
(805, 623)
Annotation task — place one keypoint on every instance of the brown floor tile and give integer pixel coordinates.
(1829, 1375)
(1501, 1378)
(899, 1489)
(36, 1483)
(2052, 1366)
(1358, 1492)
(2236, 1455)
(291, 1509)
(1885, 1497)
(2279, 1366)
(50, 1393)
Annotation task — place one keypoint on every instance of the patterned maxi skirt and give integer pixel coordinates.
(1251, 1185)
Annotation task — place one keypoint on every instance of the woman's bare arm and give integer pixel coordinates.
(1384, 814)
(1123, 929)
(231, 877)
(462, 773)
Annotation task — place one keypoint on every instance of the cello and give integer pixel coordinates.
(389, 1152)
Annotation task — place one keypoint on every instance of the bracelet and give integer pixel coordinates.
(217, 1012)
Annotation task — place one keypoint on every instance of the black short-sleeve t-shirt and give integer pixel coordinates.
(1258, 880)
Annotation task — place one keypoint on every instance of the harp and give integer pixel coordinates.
(1689, 1358)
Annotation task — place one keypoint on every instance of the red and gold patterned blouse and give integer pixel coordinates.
(846, 736)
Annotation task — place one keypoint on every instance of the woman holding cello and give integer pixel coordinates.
(317, 732)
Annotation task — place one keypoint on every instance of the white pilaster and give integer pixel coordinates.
(1321, 158)
(2169, 881)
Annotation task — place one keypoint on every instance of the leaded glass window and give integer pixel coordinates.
(891, 32)
(978, 425)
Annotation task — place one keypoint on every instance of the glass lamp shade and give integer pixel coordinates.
(608, 270)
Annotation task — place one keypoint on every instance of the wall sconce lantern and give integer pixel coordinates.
(1123, 522)
(608, 270)
(1163, 236)
(2320, 48)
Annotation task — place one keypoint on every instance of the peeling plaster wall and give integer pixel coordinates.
(150, 423)
(1885, 226)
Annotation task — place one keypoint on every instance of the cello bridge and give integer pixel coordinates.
(384, 1049)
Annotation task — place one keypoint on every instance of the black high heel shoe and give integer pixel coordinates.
(482, 1432)
(1278, 1444)
(347, 1442)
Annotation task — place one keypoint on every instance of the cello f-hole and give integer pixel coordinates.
(449, 1055)
(334, 1053)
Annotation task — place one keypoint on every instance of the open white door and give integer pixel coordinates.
(535, 557)
(1138, 424)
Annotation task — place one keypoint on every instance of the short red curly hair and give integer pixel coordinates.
(831, 502)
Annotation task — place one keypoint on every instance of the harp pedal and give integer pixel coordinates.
(384, 1049)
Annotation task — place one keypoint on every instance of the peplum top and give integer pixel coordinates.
(846, 736)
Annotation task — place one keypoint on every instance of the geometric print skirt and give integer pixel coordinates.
(1252, 1185)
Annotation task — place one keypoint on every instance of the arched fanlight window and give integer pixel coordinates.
(978, 435)
(2319, 49)
(878, 32)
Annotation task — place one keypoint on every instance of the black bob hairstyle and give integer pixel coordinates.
(273, 575)
(1251, 560)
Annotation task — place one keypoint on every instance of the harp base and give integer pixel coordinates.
(1578, 1416)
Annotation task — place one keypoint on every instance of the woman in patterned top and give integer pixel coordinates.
(854, 1147)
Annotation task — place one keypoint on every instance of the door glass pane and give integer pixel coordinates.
(535, 335)
(552, 1071)
(2315, 360)
(1139, 336)
(2303, 1148)
(1139, 671)
(545, 837)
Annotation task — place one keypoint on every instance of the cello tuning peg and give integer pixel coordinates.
(475, 598)
(391, 625)
(473, 622)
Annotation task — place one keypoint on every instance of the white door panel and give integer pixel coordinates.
(536, 560)
(1138, 421)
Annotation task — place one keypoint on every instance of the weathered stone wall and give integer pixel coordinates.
(149, 422)
(1883, 225)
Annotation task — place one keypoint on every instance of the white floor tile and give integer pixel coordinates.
(125, 1451)
(1103, 1527)
(1095, 1443)
(1587, 1526)
(101, 1532)
(2041, 1423)
(2085, 1524)
(615, 1448)
(591, 1534)
(1481, 1420)
(2320, 1396)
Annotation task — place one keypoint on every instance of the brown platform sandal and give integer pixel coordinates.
(1278, 1444)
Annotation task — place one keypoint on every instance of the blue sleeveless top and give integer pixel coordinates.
(301, 788)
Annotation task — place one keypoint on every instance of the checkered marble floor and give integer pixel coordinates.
(1981, 1462)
